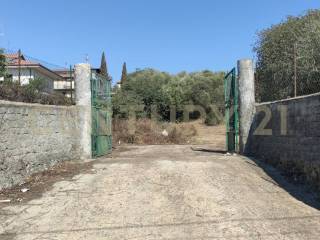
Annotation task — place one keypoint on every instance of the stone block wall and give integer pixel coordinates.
(34, 137)
(290, 139)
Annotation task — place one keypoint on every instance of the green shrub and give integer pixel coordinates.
(160, 90)
(37, 84)
(31, 93)
(211, 119)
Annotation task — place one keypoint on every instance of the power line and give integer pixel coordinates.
(46, 64)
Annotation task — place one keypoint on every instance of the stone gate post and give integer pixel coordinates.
(82, 77)
(246, 101)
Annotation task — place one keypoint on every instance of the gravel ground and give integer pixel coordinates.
(166, 192)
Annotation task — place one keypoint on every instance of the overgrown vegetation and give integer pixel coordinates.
(287, 51)
(31, 93)
(147, 131)
(159, 91)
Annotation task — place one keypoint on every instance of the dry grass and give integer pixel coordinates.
(150, 132)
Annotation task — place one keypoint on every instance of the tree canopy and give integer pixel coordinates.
(154, 88)
(2, 64)
(283, 49)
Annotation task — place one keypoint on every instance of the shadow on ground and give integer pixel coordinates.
(301, 192)
(199, 149)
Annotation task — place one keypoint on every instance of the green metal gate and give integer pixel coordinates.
(231, 111)
(101, 115)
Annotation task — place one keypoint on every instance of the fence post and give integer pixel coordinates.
(246, 101)
(82, 77)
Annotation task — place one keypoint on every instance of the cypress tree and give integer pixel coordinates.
(124, 73)
(103, 66)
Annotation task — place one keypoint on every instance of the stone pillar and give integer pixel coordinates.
(82, 77)
(246, 101)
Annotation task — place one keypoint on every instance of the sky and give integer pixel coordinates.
(168, 35)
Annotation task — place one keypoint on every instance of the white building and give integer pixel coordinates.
(23, 70)
(65, 85)
(20, 69)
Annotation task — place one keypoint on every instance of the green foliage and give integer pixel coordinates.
(162, 90)
(123, 102)
(103, 65)
(31, 93)
(37, 84)
(124, 73)
(277, 48)
(2, 64)
(206, 88)
(211, 119)
(147, 86)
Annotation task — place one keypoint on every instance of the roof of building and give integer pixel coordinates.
(65, 73)
(14, 60)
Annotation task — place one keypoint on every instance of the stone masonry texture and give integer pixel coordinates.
(295, 149)
(34, 137)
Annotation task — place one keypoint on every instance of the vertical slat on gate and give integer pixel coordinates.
(101, 123)
(236, 109)
(231, 110)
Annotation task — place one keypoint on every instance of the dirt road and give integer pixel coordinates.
(165, 192)
(213, 135)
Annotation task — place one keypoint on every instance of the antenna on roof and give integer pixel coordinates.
(87, 58)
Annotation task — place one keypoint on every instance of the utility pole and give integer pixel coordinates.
(295, 68)
(19, 66)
